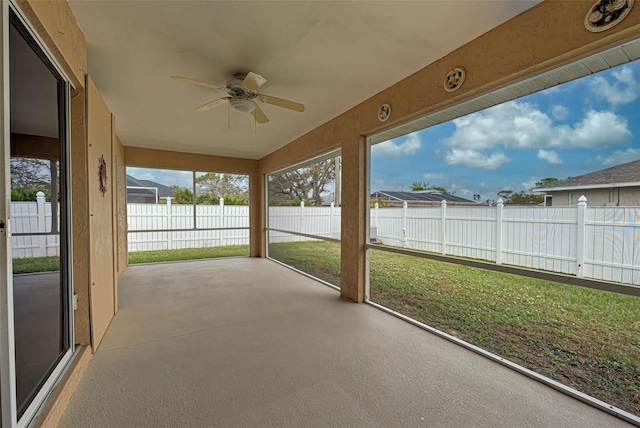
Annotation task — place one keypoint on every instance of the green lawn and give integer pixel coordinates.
(188, 254)
(36, 264)
(48, 264)
(587, 339)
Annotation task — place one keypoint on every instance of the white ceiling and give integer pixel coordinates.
(328, 55)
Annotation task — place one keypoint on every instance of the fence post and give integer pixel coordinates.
(375, 214)
(443, 204)
(582, 225)
(42, 225)
(331, 220)
(169, 225)
(301, 217)
(404, 223)
(222, 238)
(499, 208)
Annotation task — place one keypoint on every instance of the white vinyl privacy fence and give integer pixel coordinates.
(171, 226)
(31, 228)
(592, 242)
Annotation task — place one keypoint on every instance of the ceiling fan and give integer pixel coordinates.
(242, 94)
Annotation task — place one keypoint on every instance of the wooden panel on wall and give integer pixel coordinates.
(102, 277)
(80, 217)
(57, 27)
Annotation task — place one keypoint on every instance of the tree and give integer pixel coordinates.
(307, 184)
(422, 185)
(509, 197)
(182, 195)
(28, 177)
(222, 185)
(546, 182)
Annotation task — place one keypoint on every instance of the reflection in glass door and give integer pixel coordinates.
(38, 171)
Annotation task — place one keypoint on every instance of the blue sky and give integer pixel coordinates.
(568, 130)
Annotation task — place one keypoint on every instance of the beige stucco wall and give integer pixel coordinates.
(615, 196)
(120, 203)
(80, 216)
(542, 38)
(57, 27)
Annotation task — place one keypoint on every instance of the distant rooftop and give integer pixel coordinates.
(421, 196)
(163, 191)
(627, 174)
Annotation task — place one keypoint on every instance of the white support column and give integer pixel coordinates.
(404, 223)
(42, 226)
(581, 231)
(169, 225)
(222, 237)
(499, 209)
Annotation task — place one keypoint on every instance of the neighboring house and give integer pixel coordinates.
(618, 186)
(419, 198)
(146, 191)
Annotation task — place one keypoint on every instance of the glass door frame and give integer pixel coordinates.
(7, 332)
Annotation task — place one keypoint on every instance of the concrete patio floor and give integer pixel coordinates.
(247, 342)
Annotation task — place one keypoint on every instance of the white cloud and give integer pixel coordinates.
(460, 190)
(559, 112)
(167, 177)
(391, 149)
(620, 156)
(520, 125)
(624, 90)
(431, 176)
(550, 156)
(475, 159)
(599, 129)
(530, 183)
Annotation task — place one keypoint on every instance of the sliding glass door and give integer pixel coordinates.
(37, 334)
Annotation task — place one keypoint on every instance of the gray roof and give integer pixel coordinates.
(627, 174)
(163, 191)
(421, 196)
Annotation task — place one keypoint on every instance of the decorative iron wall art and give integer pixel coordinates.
(454, 79)
(102, 174)
(605, 14)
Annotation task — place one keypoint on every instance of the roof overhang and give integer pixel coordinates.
(590, 186)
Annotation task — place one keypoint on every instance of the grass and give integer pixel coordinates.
(188, 254)
(586, 339)
(318, 258)
(50, 264)
(36, 264)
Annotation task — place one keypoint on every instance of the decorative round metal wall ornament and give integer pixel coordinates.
(454, 79)
(102, 174)
(605, 14)
(384, 112)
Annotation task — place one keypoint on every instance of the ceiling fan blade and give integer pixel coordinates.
(253, 81)
(291, 105)
(212, 104)
(259, 114)
(199, 82)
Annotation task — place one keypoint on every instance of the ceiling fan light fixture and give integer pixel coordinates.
(242, 105)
